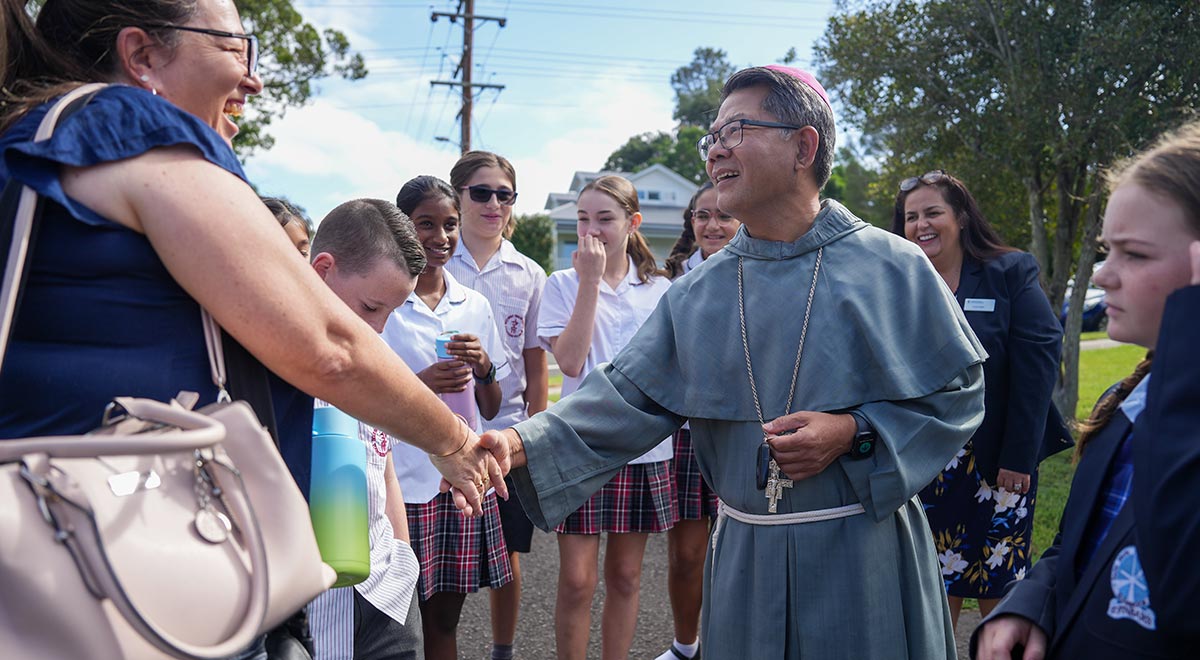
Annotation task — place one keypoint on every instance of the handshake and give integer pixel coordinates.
(479, 464)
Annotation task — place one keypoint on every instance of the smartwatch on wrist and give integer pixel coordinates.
(487, 379)
(863, 443)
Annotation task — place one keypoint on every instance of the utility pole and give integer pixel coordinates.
(466, 11)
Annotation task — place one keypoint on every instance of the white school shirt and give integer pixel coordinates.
(394, 568)
(695, 260)
(619, 314)
(412, 332)
(512, 283)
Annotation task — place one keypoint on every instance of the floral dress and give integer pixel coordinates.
(983, 535)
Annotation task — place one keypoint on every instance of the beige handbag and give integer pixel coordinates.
(165, 533)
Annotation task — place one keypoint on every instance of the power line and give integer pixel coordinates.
(466, 11)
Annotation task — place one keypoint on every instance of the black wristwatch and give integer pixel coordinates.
(489, 378)
(863, 444)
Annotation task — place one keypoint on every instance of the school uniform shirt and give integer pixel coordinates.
(620, 313)
(412, 332)
(512, 284)
(394, 568)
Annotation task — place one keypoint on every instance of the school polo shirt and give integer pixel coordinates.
(513, 284)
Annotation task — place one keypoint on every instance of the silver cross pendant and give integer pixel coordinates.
(775, 486)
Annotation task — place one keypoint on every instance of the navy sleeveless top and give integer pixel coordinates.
(101, 316)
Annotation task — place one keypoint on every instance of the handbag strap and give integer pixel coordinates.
(20, 250)
(216, 355)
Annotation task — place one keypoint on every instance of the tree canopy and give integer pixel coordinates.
(533, 236)
(294, 56)
(697, 86)
(675, 150)
(1028, 102)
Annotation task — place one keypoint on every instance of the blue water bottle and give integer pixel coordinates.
(462, 403)
(338, 495)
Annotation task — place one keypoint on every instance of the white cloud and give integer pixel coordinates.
(329, 152)
(325, 155)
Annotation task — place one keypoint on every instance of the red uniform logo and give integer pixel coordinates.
(379, 442)
(514, 325)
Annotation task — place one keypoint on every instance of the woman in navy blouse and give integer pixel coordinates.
(148, 216)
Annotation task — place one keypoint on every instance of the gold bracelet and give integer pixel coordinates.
(466, 437)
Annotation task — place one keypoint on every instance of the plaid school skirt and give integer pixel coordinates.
(696, 500)
(640, 498)
(457, 554)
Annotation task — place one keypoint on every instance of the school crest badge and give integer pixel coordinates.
(514, 325)
(1131, 593)
(379, 442)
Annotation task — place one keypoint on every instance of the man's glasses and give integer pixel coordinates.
(251, 42)
(928, 178)
(483, 195)
(730, 135)
(702, 216)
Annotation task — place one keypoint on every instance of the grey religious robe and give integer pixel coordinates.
(885, 337)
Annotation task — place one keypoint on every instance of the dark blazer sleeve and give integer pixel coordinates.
(1034, 349)
(1166, 476)
(1032, 598)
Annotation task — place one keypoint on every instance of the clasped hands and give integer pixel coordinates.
(480, 464)
(805, 443)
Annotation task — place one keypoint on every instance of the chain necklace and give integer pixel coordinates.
(768, 474)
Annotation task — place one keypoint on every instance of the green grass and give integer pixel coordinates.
(1098, 370)
(555, 386)
(1099, 334)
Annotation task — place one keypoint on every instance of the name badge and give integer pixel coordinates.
(980, 305)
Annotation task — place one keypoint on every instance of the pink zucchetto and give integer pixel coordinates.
(804, 77)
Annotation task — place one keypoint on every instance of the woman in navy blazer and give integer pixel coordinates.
(1122, 579)
(980, 507)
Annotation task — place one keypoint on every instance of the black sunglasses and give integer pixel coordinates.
(928, 178)
(483, 195)
(250, 39)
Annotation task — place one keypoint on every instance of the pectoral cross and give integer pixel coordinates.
(775, 486)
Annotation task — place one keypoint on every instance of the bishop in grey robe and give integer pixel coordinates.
(885, 337)
(857, 577)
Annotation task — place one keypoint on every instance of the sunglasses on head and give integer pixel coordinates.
(928, 178)
(483, 195)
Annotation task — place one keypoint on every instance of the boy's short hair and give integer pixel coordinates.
(360, 232)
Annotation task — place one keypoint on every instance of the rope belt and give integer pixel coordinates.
(797, 518)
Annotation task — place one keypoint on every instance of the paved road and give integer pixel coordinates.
(535, 632)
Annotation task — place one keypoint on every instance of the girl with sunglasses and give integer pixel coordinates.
(980, 507)
(487, 262)
(589, 314)
(1120, 580)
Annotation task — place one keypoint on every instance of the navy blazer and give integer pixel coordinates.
(1136, 597)
(1009, 312)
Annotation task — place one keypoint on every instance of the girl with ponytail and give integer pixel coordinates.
(1121, 579)
(588, 315)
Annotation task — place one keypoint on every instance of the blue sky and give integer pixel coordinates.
(580, 79)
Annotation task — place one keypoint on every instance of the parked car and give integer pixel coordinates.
(1095, 310)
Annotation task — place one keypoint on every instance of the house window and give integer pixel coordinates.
(653, 195)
